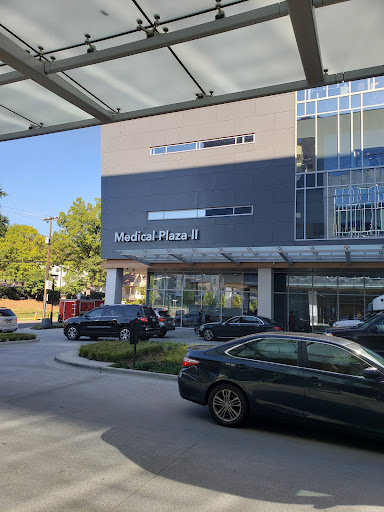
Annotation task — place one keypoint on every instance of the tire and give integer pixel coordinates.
(209, 335)
(124, 334)
(162, 333)
(228, 405)
(73, 333)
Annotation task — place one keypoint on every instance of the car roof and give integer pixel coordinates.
(332, 340)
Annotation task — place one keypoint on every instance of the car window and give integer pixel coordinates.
(235, 320)
(275, 350)
(163, 313)
(380, 324)
(322, 356)
(6, 312)
(95, 313)
(252, 320)
(267, 320)
(148, 311)
(114, 311)
(246, 350)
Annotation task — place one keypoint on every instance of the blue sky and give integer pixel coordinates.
(43, 175)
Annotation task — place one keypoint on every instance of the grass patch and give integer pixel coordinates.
(52, 326)
(151, 356)
(13, 336)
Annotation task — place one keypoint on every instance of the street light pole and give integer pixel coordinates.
(48, 219)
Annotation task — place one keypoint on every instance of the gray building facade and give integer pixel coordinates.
(210, 202)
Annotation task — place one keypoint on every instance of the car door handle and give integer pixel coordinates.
(314, 380)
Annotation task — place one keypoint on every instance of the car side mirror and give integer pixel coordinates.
(86, 316)
(372, 373)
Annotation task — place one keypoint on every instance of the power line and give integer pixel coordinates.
(21, 213)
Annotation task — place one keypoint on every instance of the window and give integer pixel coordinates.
(203, 144)
(6, 312)
(282, 351)
(252, 320)
(95, 313)
(206, 212)
(235, 320)
(246, 350)
(329, 358)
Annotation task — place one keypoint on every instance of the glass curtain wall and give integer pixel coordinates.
(319, 298)
(220, 296)
(340, 161)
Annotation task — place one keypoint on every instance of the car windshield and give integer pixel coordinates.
(149, 311)
(164, 313)
(6, 312)
(369, 322)
(269, 320)
(377, 358)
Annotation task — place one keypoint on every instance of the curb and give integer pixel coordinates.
(17, 342)
(72, 358)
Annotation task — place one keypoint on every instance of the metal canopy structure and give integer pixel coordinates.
(346, 254)
(68, 65)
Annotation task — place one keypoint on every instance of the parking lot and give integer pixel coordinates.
(78, 440)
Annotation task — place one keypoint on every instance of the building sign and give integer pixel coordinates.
(162, 235)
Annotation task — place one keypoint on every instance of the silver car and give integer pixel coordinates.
(8, 320)
(167, 323)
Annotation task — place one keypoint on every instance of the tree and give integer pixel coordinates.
(4, 222)
(22, 258)
(77, 246)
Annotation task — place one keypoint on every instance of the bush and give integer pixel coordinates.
(13, 336)
(10, 292)
(153, 356)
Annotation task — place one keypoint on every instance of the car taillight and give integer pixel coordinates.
(188, 361)
(161, 319)
(143, 319)
(278, 328)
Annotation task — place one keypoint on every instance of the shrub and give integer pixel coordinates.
(153, 356)
(13, 336)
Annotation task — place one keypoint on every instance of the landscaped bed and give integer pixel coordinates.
(151, 356)
(14, 336)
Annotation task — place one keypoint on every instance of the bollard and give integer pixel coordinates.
(35, 317)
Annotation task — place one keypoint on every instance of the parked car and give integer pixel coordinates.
(237, 326)
(113, 321)
(189, 320)
(166, 321)
(8, 320)
(289, 375)
(348, 322)
(369, 334)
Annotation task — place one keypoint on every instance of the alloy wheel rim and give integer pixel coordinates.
(208, 335)
(125, 335)
(227, 405)
(72, 332)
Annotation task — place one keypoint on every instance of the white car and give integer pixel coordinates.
(354, 322)
(8, 320)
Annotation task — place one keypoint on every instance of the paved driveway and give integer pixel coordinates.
(77, 440)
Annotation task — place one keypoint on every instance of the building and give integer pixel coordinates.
(272, 205)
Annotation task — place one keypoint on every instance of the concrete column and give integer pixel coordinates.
(114, 286)
(265, 292)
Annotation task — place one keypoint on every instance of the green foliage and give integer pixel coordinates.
(236, 301)
(208, 299)
(4, 222)
(13, 336)
(77, 247)
(10, 292)
(22, 258)
(158, 356)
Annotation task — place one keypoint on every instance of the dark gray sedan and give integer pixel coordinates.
(237, 326)
(290, 375)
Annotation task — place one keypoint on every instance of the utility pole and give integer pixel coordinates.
(48, 241)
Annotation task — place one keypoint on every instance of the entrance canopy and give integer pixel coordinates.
(346, 254)
(75, 64)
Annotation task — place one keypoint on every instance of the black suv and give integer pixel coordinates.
(370, 334)
(114, 321)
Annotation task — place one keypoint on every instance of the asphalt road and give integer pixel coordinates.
(77, 440)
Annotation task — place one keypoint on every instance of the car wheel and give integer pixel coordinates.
(163, 332)
(73, 333)
(208, 335)
(228, 405)
(124, 334)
